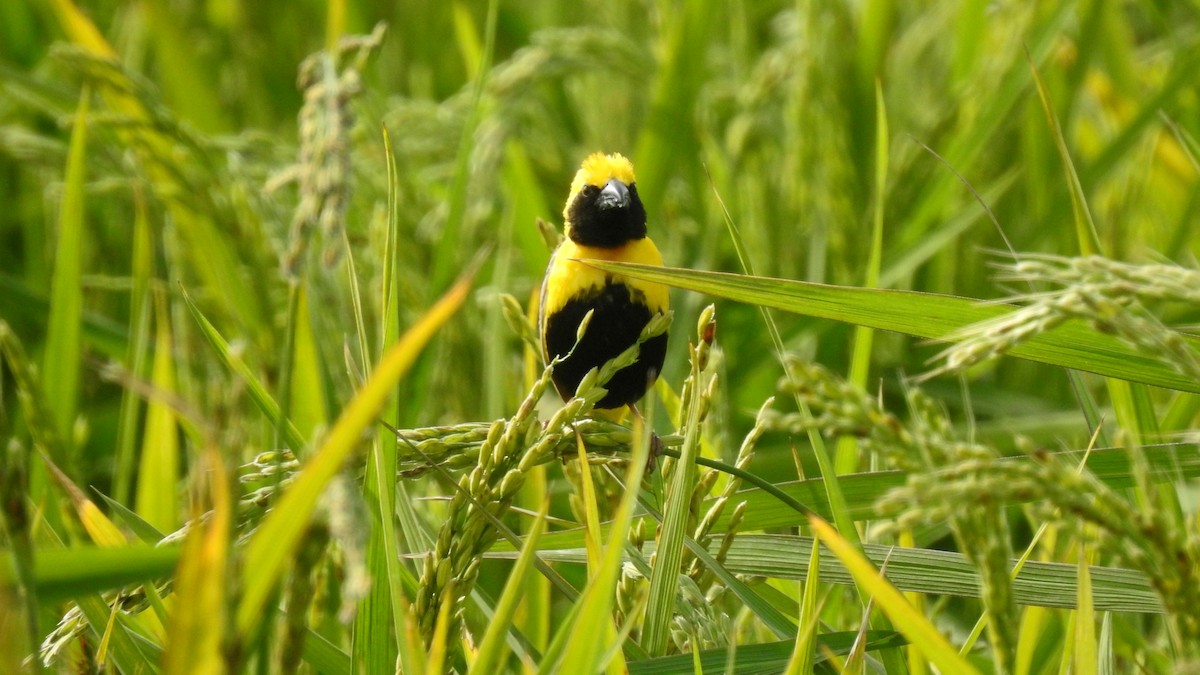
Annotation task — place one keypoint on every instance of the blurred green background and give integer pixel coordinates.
(203, 169)
(769, 105)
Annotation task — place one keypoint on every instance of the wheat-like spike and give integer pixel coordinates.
(505, 458)
(1108, 294)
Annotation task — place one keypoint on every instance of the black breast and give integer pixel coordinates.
(618, 319)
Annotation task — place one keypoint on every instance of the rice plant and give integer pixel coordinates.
(272, 398)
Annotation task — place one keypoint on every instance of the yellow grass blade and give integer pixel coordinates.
(198, 622)
(100, 529)
(922, 635)
(280, 533)
(158, 468)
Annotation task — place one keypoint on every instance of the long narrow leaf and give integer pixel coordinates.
(769, 657)
(925, 315)
(492, 647)
(934, 572)
(594, 618)
(79, 570)
(258, 393)
(276, 539)
(1164, 463)
(60, 369)
(845, 454)
(664, 577)
(801, 659)
(198, 620)
(921, 633)
(158, 465)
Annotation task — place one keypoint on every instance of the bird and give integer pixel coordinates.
(604, 219)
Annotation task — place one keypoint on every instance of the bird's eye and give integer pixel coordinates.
(590, 191)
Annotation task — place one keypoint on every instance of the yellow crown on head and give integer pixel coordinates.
(599, 168)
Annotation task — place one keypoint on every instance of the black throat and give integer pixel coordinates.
(605, 228)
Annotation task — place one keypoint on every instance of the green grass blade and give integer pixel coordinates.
(944, 573)
(136, 352)
(664, 577)
(324, 656)
(258, 393)
(1164, 464)
(492, 648)
(921, 633)
(846, 452)
(807, 636)
(1111, 466)
(1040, 584)
(1084, 660)
(158, 466)
(594, 615)
(61, 361)
(767, 657)
(926, 315)
(144, 531)
(80, 570)
(1085, 226)
(376, 638)
(307, 407)
(402, 529)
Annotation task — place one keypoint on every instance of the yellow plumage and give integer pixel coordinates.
(565, 273)
(604, 220)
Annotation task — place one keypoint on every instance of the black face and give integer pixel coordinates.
(608, 216)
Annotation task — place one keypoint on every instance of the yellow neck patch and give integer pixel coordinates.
(567, 278)
(598, 169)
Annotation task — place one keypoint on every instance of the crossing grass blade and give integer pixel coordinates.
(1040, 584)
(492, 648)
(762, 658)
(801, 659)
(1112, 466)
(594, 615)
(846, 450)
(380, 619)
(925, 315)
(1084, 658)
(137, 351)
(919, 631)
(279, 535)
(81, 570)
(258, 393)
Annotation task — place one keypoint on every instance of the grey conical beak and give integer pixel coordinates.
(614, 196)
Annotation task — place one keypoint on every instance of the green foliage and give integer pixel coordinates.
(230, 239)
